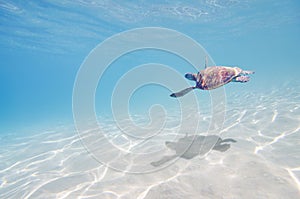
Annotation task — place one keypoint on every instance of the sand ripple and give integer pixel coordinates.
(264, 163)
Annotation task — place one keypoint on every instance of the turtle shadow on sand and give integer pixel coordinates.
(190, 146)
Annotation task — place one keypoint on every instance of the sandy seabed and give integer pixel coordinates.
(263, 163)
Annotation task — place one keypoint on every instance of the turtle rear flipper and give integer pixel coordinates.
(221, 147)
(247, 72)
(183, 92)
(241, 79)
(228, 140)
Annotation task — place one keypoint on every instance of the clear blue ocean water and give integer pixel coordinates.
(45, 44)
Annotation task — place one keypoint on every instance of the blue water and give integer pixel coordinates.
(43, 44)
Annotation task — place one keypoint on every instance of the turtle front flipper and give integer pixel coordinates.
(183, 92)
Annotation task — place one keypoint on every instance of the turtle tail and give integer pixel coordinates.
(183, 92)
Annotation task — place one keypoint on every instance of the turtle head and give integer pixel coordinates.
(191, 76)
(170, 145)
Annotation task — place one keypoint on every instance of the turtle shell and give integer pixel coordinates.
(216, 76)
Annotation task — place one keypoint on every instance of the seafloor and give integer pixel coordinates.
(263, 163)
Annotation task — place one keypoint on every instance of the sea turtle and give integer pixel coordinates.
(214, 77)
(193, 145)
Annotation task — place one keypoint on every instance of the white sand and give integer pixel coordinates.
(263, 163)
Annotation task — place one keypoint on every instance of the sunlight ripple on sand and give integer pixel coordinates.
(263, 163)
